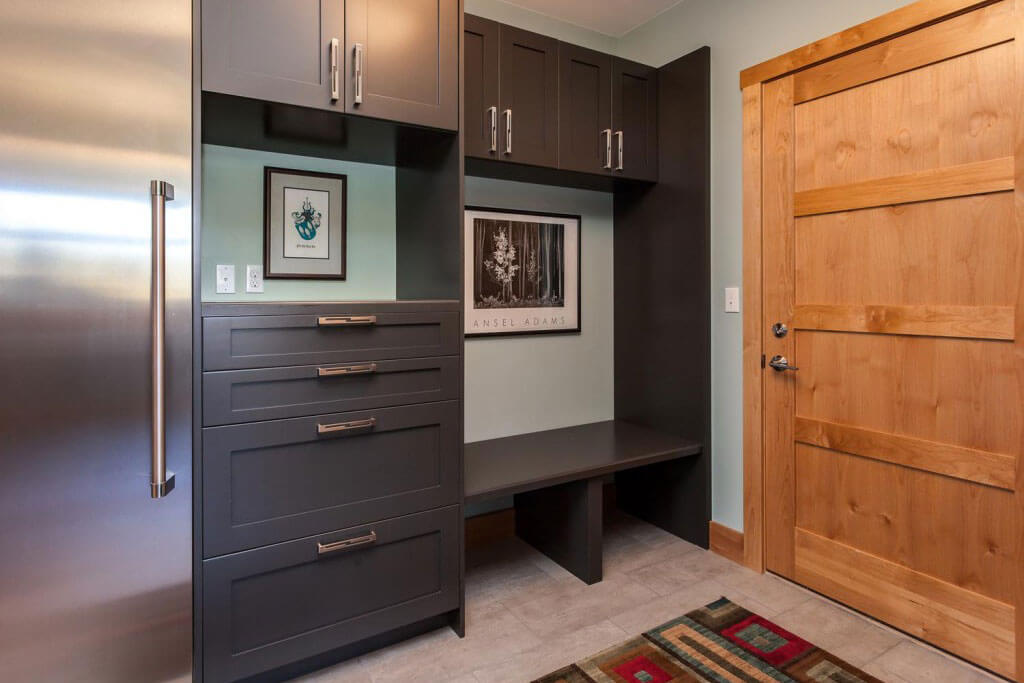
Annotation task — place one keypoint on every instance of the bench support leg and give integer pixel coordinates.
(565, 523)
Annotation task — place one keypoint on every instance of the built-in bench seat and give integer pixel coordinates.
(556, 480)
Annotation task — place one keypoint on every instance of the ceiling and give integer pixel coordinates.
(611, 17)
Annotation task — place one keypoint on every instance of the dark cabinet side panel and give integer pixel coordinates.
(410, 60)
(274, 50)
(529, 94)
(480, 87)
(635, 117)
(273, 606)
(585, 103)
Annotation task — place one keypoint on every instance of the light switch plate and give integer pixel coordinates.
(732, 299)
(225, 279)
(254, 279)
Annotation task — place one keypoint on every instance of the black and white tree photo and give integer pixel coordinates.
(518, 264)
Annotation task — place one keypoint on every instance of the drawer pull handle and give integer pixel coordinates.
(327, 548)
(339, 320)
(369, 423)
(347, 370)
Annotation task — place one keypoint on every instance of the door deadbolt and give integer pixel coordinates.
(780, 330)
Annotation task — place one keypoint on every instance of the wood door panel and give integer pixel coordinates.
(959, 392)
(956, 252)
(961, 621)
(890, 511)
(954, 112)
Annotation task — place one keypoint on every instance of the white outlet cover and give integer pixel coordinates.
(732, 299)
(225, 279)
(254, 279)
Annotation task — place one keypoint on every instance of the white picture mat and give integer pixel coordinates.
(508, 320)
(294, 245)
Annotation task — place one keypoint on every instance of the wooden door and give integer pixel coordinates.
(274, 50)
(892, 253)
(635, 120)
(529, 98)
(402, 60)
(480, 90)
(585, 132)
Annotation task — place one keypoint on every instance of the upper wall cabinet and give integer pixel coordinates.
(635, 120)
(480, 89)
(387, 59)
(274, 50)
(402, 60)
(528, 92)
(585, 121)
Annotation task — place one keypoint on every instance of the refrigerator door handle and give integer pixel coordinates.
(161, 482)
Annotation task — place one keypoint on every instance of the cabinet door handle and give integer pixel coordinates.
(335, 74)
(607, 133)
(622, 158)
(368, 423)
(347, 544)
(508, 131)
(358, 64)
(367, 369)
(493, 113)
(161, 482)
(346, 320)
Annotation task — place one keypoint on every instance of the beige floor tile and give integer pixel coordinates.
(775, 594)
(915, 663)
(846, 635)
(685, 570)
(657, 611)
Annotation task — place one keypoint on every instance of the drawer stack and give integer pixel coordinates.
(332, 476)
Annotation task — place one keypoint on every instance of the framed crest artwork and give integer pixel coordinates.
(303, 224)
(522, 273)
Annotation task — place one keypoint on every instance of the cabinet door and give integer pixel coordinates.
(480, 78)
(274, 50)
(402, 60)
(585, 109)
(635, 120)
(529, 98)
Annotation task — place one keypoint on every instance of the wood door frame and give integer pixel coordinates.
(901, 21)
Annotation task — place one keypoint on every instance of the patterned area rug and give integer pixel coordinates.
(721, 642)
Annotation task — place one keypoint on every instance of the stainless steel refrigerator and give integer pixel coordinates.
(95, 572)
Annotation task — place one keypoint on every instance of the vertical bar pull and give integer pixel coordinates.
(161, 482)
(607, 133)
(335, 73)
(493, 113)
(508, 131)
(622, 158)
(358, 68)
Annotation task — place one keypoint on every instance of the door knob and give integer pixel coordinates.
(780, 364)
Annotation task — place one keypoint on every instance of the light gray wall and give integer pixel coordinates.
(232, 214)
(741, 33)
(524, 384)
(539, 23)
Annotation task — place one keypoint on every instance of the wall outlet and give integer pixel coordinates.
(732, 299)
(254, 279)
(225, 279)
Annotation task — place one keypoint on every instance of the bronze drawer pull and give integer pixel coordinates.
(369, 423)
(347, 370)
(327, 548)
(340, 320)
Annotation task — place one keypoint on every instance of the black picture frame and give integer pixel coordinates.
(336, 265)
(469, 247)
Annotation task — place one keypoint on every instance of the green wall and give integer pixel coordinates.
(232, 215)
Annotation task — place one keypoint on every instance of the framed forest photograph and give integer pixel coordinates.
(522, 273)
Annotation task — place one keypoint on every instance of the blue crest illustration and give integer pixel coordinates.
(307, 221)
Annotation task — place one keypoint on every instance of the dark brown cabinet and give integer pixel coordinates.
(274, 50)
(528, 92)
(480, 90)
(635, 120)
(585, 111)
(402, 60)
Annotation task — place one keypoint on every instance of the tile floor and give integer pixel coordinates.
(526, 616)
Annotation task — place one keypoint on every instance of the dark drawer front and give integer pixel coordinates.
(267, 482)
(273, 606)
(234, 396)
(263, 341)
